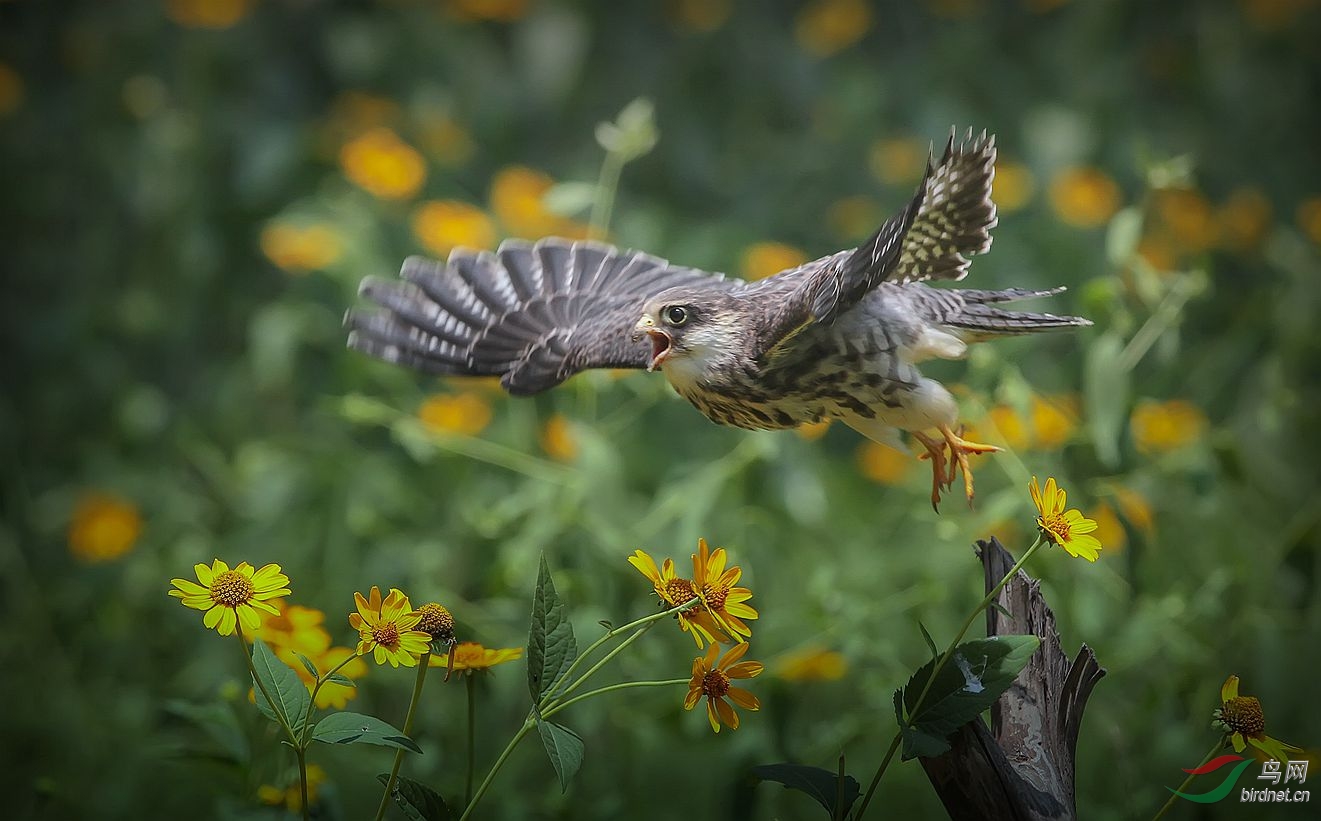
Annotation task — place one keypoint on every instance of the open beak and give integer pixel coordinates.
(660, 348)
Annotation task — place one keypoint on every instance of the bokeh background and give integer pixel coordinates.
(192, 190)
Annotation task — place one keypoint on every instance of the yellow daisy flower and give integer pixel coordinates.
(296, 628)
(469, 655)
(231, 597)
(715, 584)
(385, 628)
(1067, 528)
(673, 591)
(1241, 720)
(712, 679)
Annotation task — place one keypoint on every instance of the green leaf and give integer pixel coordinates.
(340, 679)
(1106, 383)
(565, 749)
(969, 683)
(286, 688)
(356, 728)
(930, 644)
(1122, 236)
(418, 801)
(551, 647)
(821, 785)
(308, 665)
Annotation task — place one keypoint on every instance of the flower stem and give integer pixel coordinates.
(472, 735)
(311, 704)
(623, 685)
(940, 665)
(528, 724)
(1220, 743)
(422, 664)
(604, 202)
(550, 694)
(302, 781)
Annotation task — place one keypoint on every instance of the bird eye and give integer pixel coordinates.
(675, 315)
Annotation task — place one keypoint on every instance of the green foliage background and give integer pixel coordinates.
(153, 352)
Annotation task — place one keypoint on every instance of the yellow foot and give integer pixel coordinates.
(941, 471)
(959, 448)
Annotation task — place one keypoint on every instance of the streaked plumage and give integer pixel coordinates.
(839, 337)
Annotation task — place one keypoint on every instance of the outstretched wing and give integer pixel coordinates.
(949, 218)
(532, 314)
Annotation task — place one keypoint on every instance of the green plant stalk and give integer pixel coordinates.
(528, 724)
(623, 645)
(311, 705)
(606, 184)
(940, 665)
(1155, 326)
(472, 734)
(1219, 745)
(551, 694)
(293, 739)
(422, 664)
(623, 685)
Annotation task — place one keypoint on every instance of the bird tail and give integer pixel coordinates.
(974, 314)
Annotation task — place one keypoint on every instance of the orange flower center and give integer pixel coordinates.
(715, 683)
(1242, 714)
(1057, 529)
(386, 635)
(678, 591)
(231, 589)
(715, 595)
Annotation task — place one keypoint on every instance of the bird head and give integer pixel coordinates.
(688, 330)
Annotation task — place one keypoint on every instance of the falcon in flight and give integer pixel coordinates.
(837, 338)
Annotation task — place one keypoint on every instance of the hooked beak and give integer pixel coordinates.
(660, 341)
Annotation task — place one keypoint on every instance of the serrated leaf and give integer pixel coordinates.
(564, 748)
(551, 647)
(356, 728)
(975, 676)
(930, 644)
(340, 679)
(1106, 386)
(418, 801)
(282, 682)
(308, 665)
(822, 785)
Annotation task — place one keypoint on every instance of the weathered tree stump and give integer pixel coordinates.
(1023, 766)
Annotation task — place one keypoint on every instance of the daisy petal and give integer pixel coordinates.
(212, 617)
(1229, 690)
(227, 620)
(190, 588)
(711, 714)
(743, 698)
(727, 713)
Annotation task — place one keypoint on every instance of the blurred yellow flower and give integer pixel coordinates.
(207, 14)
(713, 680)
(898, 161)
(469, 655)
(1109, 530)
(437, 622)
(1187, 216)
(230, 597)
(331, 695)
(1242, 721)
(1068, 529)
(1012, 429)
(557, 439)
(1054, 420)
(1164, 426)
(382, 164)
(465, 413)
(103, 527)
(447, 141)
(882, 464)
(1135, 508)
(290, 797)
(826, 27)
(295, 627)
(354, 112)
(812, 431)
(699, 15)
(11, 90)
(501, 11)
(1244, 218)
(1309, 218)
(812, 664)
(763, 259)
(386, 628)
(1012, 186)
(518, 201)
(300, 248)
(854, 218)
(1084, 197)
(673, 590)
(1158, 252)
(443, 225)
(715, 584)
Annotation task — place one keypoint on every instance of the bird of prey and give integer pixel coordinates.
(840, 337)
